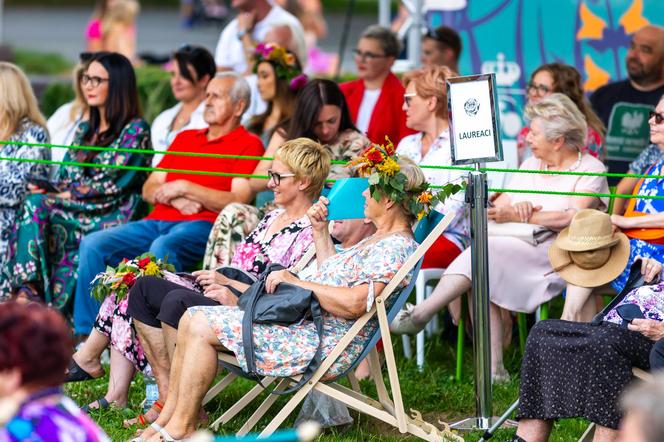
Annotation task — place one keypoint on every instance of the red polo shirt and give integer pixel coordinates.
(237, 142)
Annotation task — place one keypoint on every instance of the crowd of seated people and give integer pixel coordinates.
(56, 240)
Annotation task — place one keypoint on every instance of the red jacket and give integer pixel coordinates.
(387, 118)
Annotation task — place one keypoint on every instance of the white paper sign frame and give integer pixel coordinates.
(472, 106)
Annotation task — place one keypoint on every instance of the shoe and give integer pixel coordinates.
(403, 323)
(76, 374)
(102, 402)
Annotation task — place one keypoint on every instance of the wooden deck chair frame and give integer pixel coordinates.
(388, 408)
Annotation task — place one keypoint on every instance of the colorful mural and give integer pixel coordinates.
(513, 37)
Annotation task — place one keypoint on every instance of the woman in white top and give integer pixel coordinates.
(193, 68)
(64, 121)
(425, 105)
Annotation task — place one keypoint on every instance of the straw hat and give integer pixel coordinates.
(588, 253)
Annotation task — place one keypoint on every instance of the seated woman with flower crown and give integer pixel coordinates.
(283, 236)
(345, 285)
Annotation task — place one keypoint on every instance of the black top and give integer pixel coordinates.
(605, 97)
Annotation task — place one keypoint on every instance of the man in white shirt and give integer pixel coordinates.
(255, 18)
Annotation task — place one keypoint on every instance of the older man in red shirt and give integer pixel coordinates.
(185, 204)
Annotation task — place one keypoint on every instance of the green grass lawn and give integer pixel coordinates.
(433, 392)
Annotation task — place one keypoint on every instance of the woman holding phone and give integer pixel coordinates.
(43, 251)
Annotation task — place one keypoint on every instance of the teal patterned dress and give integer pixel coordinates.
(44, 244)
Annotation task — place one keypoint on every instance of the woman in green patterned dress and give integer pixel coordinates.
(43, 254)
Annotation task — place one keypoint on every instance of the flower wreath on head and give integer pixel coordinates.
(381, 165)
(286, 65)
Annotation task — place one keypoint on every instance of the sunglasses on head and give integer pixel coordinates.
(659, 118)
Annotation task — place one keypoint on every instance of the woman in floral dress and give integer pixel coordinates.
(283, 237)
(345, 285)
(43, 255)
(321, 114)
(21, 122)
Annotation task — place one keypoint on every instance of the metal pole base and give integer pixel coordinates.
(481, 424)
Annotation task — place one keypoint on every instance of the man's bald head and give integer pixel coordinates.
(645, 58)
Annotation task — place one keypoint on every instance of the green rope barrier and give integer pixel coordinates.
(245, 175)
(248, 157)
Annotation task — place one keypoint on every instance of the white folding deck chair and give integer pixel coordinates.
(388, 409)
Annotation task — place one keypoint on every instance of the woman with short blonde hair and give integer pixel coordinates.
(21, 123)
(306, 158)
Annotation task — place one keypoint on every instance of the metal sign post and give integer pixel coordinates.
(474, 135)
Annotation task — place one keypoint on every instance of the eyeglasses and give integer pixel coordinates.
(539, 89)
(276, 176)
(94, 80)
(659, 118)
(367, 55)
(407, 97)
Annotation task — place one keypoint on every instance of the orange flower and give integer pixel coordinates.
(425, 197)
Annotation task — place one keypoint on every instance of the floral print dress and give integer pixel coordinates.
(285, 351)
(44, 243)
(13, 186)
(49, 416)
(286, 247)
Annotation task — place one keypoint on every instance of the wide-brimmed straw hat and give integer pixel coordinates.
(588, 253)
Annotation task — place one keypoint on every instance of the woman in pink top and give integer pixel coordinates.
(113, 28)
(521, 277)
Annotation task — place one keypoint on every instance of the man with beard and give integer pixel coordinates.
(624, 106)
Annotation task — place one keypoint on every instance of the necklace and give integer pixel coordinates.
(572, 168)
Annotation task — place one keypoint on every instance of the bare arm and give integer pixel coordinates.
(625, 186)
(558, 220)
(344, 302)
(317, 214)
(216, 200)
(656, 220)
(154, 181)
(258, 184)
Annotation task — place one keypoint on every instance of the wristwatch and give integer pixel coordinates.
(242, 33)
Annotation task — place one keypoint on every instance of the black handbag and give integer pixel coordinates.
(289, 304)
(634, 280)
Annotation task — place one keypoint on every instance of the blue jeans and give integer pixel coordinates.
(183, 242)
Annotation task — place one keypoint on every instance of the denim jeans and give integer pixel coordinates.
(183, 242)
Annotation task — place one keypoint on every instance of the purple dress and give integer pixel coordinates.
(48, 416)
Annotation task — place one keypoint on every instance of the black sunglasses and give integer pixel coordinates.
(276, 176)
(659, 118)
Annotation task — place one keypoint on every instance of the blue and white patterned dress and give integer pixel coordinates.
(284, 351)
(13, 185)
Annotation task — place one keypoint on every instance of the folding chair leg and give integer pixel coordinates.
(221, 385)
(391, 364)
(243, 402)
(407, 349)
(263, 408)
(523, 330)
(589, 434)
(459, 354)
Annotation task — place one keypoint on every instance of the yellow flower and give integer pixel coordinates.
(289, 59)
(389, 167)
(152, 269)
(421, 214)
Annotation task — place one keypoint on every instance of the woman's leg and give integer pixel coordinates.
(579, 304)
(120, 376)
(154, 346)
(195, 372)
(498, 371)
(604, 434)
(534, 430)
(87, 357)
(449, 288)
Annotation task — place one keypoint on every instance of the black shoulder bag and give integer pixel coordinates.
(289, 304)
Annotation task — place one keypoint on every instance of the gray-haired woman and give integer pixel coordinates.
(521, 276)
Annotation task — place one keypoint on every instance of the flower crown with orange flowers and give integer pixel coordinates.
(286, 66)
(381, 165)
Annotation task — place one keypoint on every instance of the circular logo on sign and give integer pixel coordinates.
(471, 106)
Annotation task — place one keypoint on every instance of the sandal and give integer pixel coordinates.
(142, 420)
(76, 374)
(102, 402)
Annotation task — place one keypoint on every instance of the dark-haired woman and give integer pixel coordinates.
(275, 68)
(320, 114)
(43, 255)
(193, 68)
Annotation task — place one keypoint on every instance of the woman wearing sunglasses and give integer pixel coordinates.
(43, 254)
(557, 77)
(283, 236)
